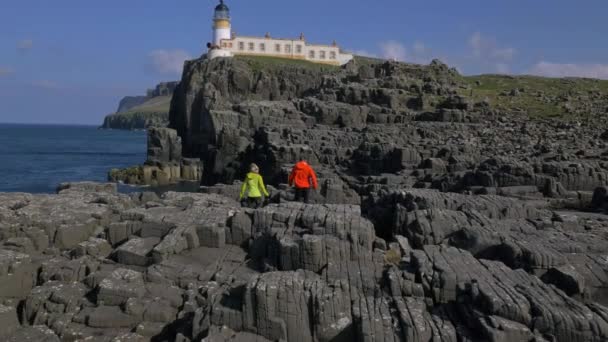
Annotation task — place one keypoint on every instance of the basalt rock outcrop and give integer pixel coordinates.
(164, 165)
(439, 218)
(91, 263)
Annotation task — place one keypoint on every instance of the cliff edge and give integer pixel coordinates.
(141, 112)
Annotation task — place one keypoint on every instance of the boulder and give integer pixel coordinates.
(164, 145)
(119, 286)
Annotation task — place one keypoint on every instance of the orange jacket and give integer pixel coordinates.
(302, 175)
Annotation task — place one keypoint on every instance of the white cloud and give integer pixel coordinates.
(475, 43)
(503, 68)
(6, 71)
(549, 69)
(393, 50)
(420, 48)
(45, 84)
(505, 54)
(25, 45)
(487, 48)
(488, 55)
(168, 62)
(418, 53)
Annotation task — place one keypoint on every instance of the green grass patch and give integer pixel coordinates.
(160, 105)
(259, 63)
(539, 97)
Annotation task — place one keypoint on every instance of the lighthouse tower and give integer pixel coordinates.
(221, 24)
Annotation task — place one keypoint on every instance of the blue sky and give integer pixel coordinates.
(70, 61)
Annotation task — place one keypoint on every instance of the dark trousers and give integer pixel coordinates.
(303, 195)
(252, 202)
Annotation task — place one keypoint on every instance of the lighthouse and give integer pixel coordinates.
(221, 24)
(225, 44)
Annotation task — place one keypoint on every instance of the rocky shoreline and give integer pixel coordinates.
(91, 262)
(440, 217)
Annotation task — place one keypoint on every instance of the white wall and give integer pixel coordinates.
(322, 53)
(220, 34)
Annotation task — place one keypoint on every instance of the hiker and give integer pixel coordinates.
(254, 187)
(303, 177)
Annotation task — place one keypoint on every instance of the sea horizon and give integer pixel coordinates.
(38, 157)
(48, 124)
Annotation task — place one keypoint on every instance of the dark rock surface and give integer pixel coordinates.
(185, 266)
(437, 219)
(164, 165)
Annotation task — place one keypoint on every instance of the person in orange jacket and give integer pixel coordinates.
(303, 177)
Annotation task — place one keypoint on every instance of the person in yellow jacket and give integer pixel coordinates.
(254, 187)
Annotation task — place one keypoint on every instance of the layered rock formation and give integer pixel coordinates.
(92, 263)
(440, 217)
(164, 165)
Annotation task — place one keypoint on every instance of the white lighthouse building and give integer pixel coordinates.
(226, 44)
(221, 23)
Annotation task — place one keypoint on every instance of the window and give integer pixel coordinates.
(277, 48)
(298, 48)
(241, 46)
(262, 47)
(332, 55)
(311, 54)
(322, 54)
(287, 48)
(251, 46)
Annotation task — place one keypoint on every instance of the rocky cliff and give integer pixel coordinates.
(451, 209)
(141, 112)
(164, 164)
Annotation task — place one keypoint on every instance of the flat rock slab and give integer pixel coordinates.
(136, 251)
(8, 320)
(119, 286)
(38, 333)
(17, 274)
(109, 317)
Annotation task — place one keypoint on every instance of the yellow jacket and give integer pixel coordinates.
(254, 183)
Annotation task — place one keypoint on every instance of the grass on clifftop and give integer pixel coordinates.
(160, 104)
(541, 97)
(258, 63)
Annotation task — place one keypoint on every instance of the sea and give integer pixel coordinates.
(37, 158)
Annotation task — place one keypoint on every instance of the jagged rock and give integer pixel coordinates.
(87, 187)
(109, 317)
(567, 279)
(70, 236)
(164, 164)
(8, 321)
(17, 275)
(94, 247)
(54, 302)
(63, 269)
(164, 145)
(34, 333)
(600, 198)
(495, 289)
(440, 216)
(136, 251)
(119, 286)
